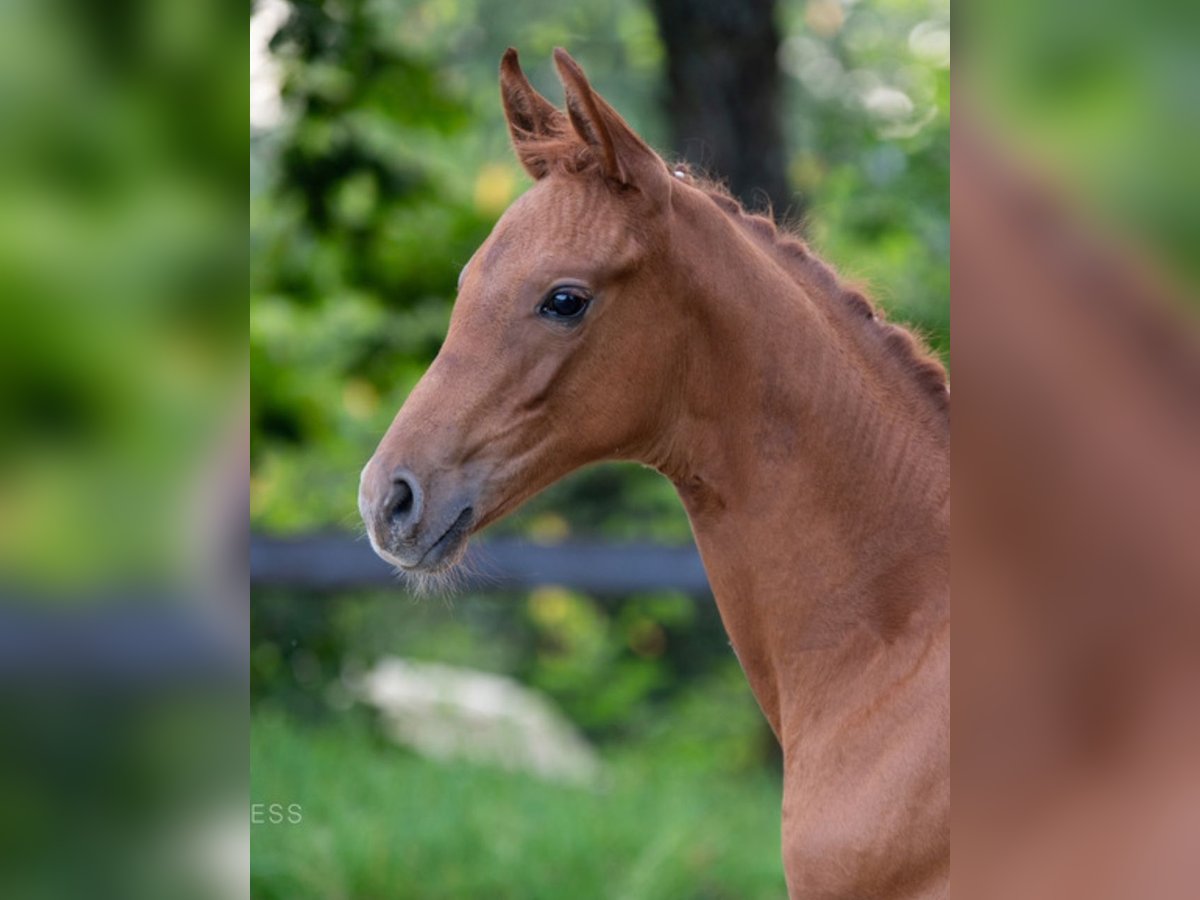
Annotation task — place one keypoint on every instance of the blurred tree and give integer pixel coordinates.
(723, 95)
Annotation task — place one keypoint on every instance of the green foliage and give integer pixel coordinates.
(122, 272)
(870, 131)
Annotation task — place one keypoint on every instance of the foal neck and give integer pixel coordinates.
(814, 475)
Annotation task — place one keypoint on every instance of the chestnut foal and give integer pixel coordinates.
(621, 309)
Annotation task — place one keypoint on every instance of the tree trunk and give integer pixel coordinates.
(724, 95)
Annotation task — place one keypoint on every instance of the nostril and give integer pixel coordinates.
(402, 500)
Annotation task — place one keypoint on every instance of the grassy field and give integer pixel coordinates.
(378, 822)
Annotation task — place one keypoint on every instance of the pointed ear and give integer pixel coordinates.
(531, 117)
(624, 157)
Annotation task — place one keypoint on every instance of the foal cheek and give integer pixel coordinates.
(542, 383)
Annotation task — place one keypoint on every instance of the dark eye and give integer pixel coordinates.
(564, 303)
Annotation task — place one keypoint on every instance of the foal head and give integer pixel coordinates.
(562, 342)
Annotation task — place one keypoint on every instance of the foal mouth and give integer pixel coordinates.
(442, 551)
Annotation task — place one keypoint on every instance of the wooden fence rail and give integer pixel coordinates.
(147, 641)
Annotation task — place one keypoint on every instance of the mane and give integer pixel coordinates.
(899, 344)
(563, 152)
(567, 154)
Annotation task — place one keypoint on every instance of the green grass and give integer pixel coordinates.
(379, 822)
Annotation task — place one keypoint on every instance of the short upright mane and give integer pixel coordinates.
(797, 260)
(563, 153)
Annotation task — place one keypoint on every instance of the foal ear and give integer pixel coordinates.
(531, 117)
(624, 157)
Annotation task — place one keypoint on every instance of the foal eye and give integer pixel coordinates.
(564, 303)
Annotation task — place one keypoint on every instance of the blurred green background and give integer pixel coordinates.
(379, 162)
(123, 270)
